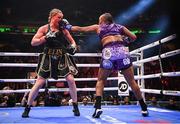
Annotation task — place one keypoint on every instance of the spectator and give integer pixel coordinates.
(8, 99)
(172, 105)
(126, 101)
(116, 101)
(85, 101)
(154, 102)
(51, 99)
(41, 101)
(64, 102)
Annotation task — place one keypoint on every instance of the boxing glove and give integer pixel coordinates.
(64, 24)
(126, 40)
(71, 49)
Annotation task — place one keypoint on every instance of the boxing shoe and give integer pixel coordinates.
(144, 110)
(145, 113)
(76, 109)
(76, 112)
(25, 114)
(97, 113)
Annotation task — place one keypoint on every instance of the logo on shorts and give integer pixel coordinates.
(126, 61)
(123, 86)
(106, 53)
(107, 64)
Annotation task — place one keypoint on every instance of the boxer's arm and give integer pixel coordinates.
(128, 33)
(39, 37)
(69, 37)
(73, 47)
(92, 28)
(66, 25)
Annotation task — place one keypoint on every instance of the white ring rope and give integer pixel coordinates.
(164, 92)
(52, 80)
(57, 90)
(154, 91)
(165, 55)
(37, 54)
(18, 54)
(76, 55)
(35, 65)
(167, 74)
(136, 64)
(167, 39)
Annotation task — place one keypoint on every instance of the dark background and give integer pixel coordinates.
(83, 12)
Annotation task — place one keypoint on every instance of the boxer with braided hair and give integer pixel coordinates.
(55, 60)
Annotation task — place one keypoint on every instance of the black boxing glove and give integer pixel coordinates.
(71, 49)
(64, 24)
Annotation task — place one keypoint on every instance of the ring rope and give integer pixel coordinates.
(154, 91)
(164, 92)
(165, 55)
(167, 74)
(35, 65)
(76, 55)
(167, 39)
(56, 90)
(37, 54)
(136, 64)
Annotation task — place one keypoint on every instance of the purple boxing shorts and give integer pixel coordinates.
(115, 56)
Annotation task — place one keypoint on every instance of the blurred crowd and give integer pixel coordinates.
(48, 98)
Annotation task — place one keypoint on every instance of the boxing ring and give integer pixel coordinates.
(111, 114)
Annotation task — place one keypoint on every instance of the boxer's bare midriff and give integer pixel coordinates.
(111, 38)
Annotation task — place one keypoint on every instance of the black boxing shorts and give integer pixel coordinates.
(53, 63)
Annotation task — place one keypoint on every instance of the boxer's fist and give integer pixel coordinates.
(64, 24)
